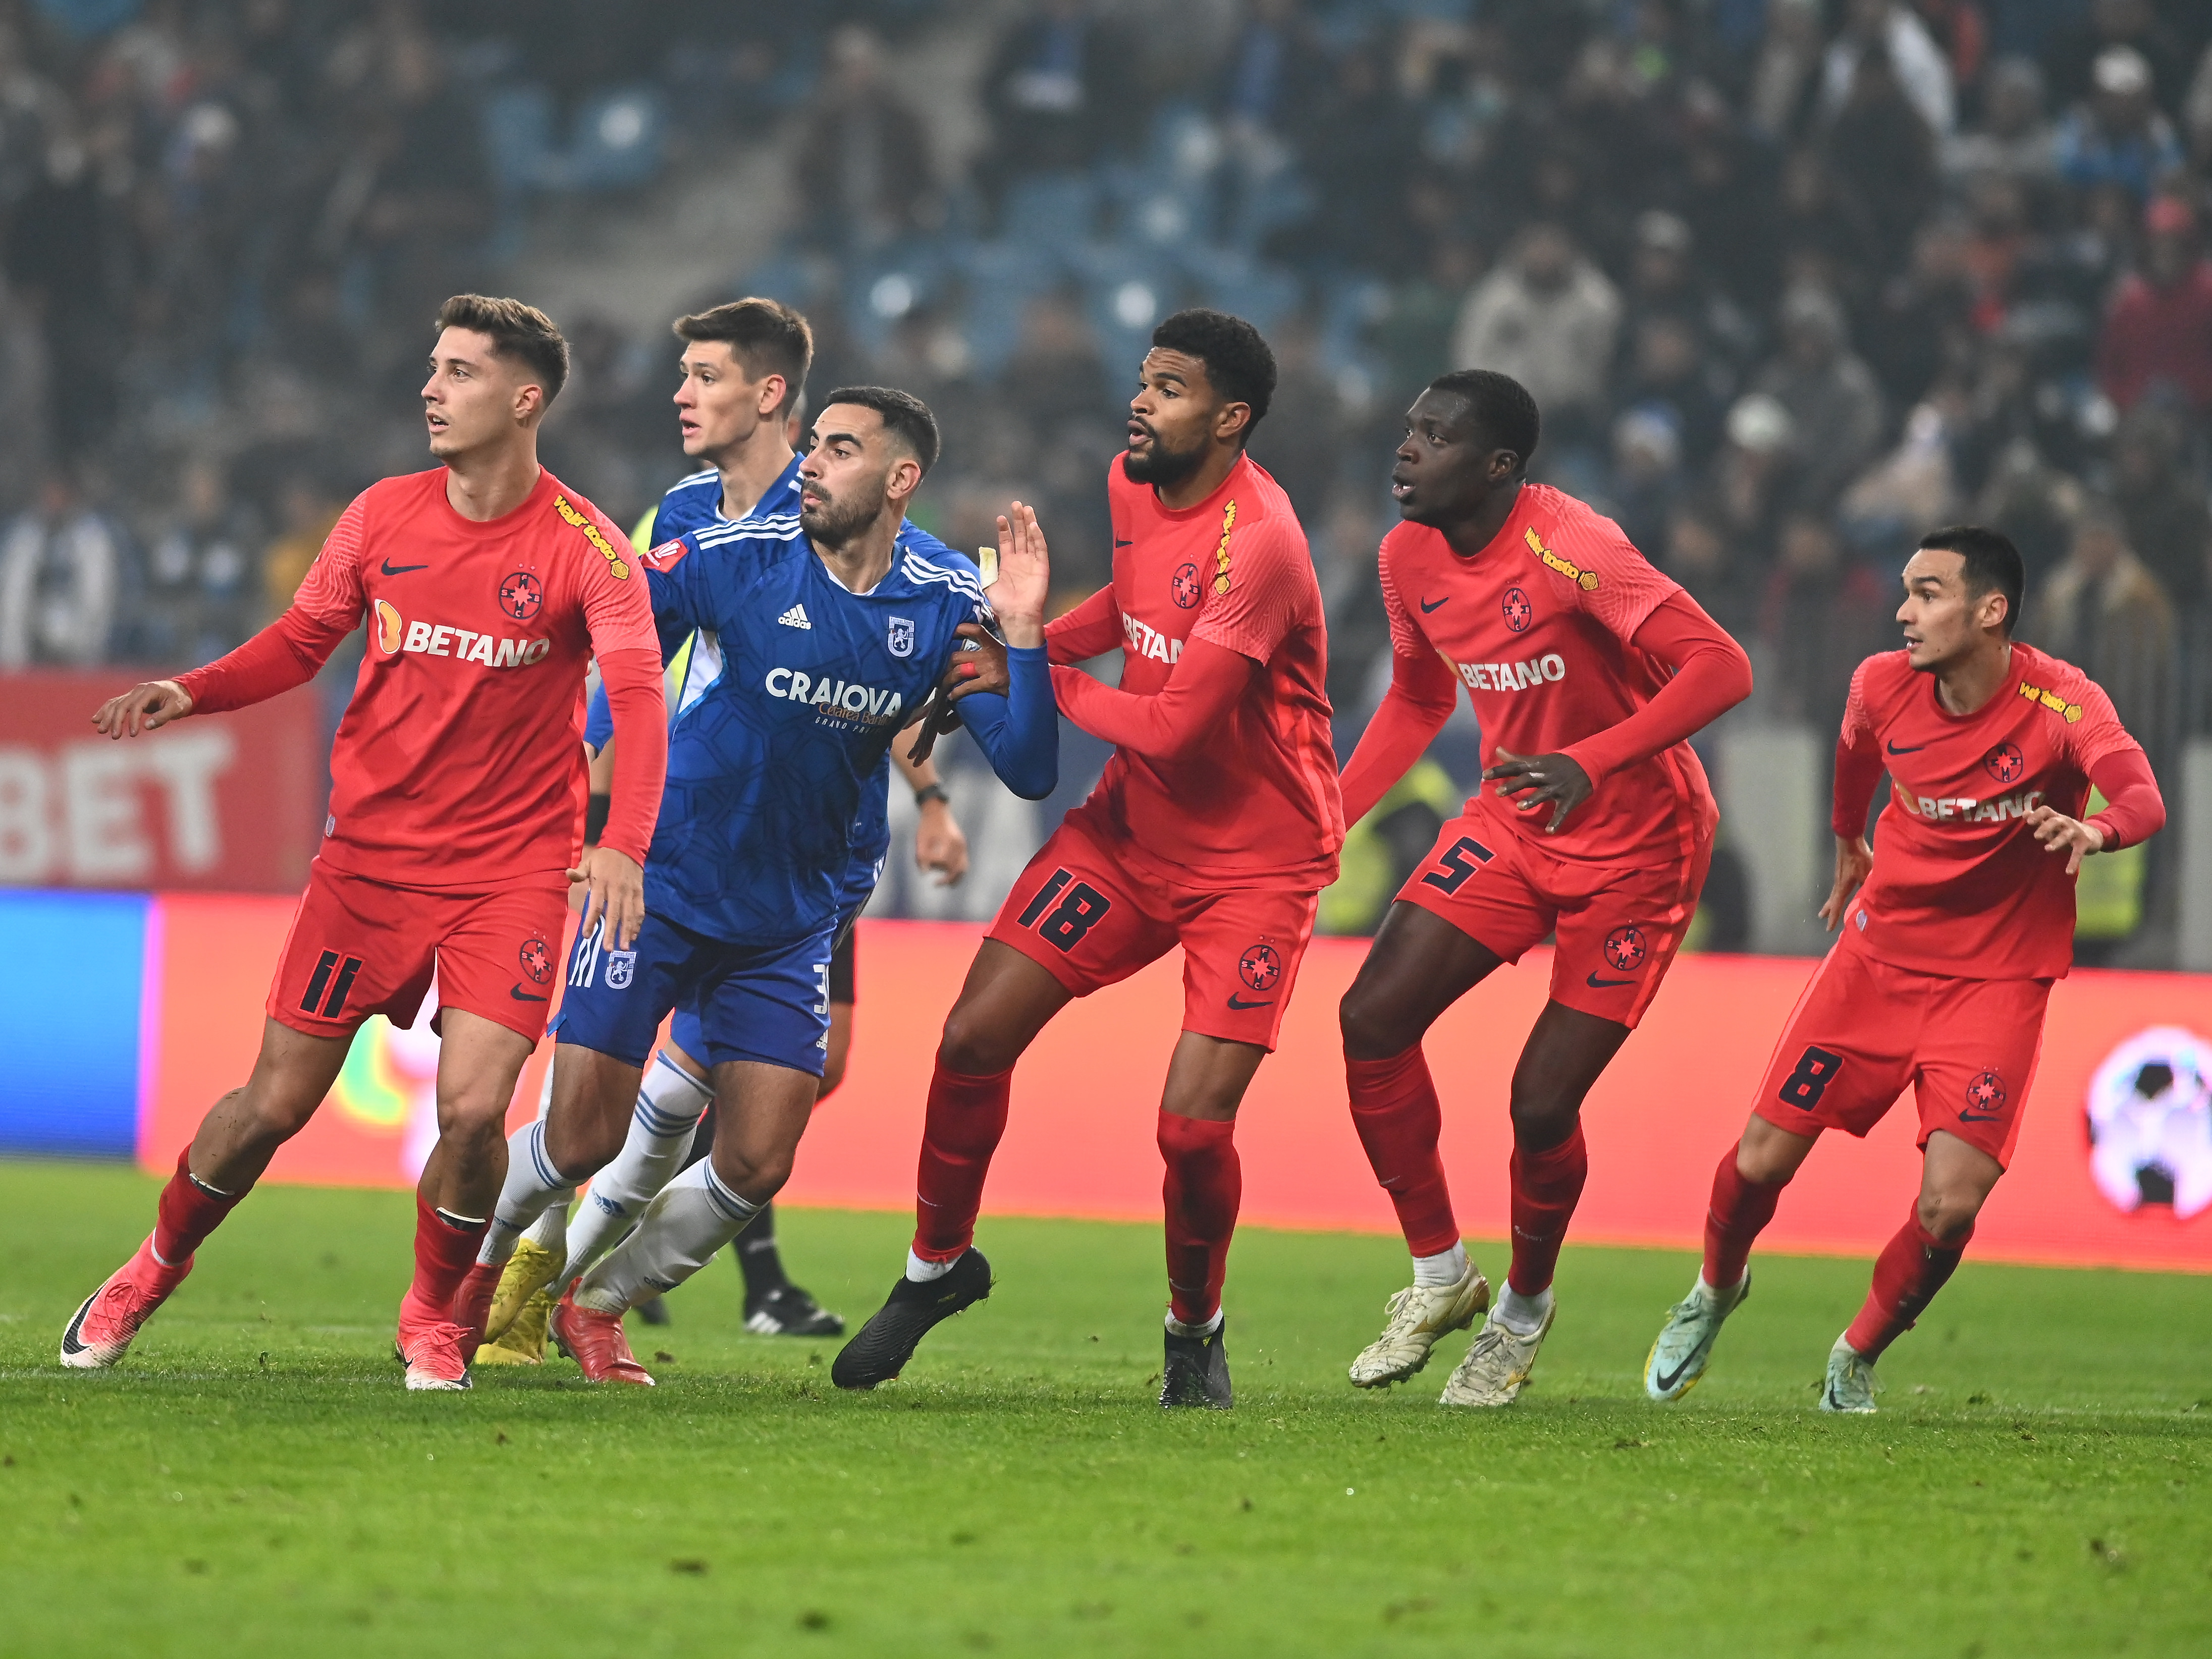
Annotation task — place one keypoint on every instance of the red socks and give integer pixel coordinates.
(1740, 1208)
(967, 1116)
(445, 1250)
(1205, 1184)
(188, 1214)
(1395, 1109)
(1546, 1185)
(1912, 1268)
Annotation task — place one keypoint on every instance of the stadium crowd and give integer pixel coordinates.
(1791, 279)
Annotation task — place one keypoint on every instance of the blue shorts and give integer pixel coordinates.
(767, 1005)
(686, 1032)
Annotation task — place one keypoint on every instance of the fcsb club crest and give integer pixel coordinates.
(1985, 1097)
(899, 636)
(536, 960)
(621, 968)
(1625, 949)
(1260, 966)
(1519, 613)
(520, 595)
(2005, 762)
(1183, 587)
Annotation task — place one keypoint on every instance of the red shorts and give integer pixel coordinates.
(360, 947)
(1619, 926)
(1091, 918)
(1863, 1030)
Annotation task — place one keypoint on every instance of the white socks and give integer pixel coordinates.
(670, 1103)
(1523, 1315)
(696, 1214)
(1443, 1270)
(1176, 1327)
(532, 1186)
(921, 1272)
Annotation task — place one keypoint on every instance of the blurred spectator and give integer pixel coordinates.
(1647, 475)
(1881, 156)
(2118, 136)
(1911, 489)
(61, 576)
(1061, 91)
(1894, 31)
(1669, 373)
(198, 594)
(1413, 332)
(2102, 24)
(1785, 76)
(1834, 403)
(2015, 139)
(2163, 512)
(1700, 555)
(1822, 615)
(1752, 476)
(865, 176)
(2104, 612)
(2157, 333)
(1923, 319)
(310, 513)
(1549, 318)
(62, 250)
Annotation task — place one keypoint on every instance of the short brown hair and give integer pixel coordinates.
(767, 337)
(516, 331)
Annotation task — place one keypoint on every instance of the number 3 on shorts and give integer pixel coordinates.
(1080, 907)
(1816, 1070)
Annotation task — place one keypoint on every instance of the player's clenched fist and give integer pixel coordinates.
(142, 708)
(614, 890)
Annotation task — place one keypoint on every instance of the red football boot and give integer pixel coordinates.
(472, 1303)
(595, 1341)
(101, 1332)
(435, 1350)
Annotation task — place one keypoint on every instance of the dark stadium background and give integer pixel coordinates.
(1792, 280)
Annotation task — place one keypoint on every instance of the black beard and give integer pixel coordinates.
(833, 524)
(1162, 466)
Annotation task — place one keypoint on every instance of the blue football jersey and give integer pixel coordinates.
(696, 503)
(783, 726)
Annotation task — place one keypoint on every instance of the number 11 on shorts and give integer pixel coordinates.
(1080, 907)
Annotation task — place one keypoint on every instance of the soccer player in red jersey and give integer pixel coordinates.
(457, 802)
(1215, 826)
(1953, 930)
(1589, 671)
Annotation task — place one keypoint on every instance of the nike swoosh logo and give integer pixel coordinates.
(1118, 542)
(392, 569)
(1240, 1005)
(521, 995)
(1597, 984)
(1667, 1380)
(1911, 748)
(1426, 607)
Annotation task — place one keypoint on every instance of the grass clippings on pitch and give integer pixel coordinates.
(254, 1479)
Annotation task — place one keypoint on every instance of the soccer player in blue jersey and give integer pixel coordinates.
(823, 644)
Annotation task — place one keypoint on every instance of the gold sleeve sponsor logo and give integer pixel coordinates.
(617, 566)
(2070, 712)
(1585, 580)
(1221, 549)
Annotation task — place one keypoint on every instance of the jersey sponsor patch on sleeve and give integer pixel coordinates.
(1585, 580)
(666, 556)
(2069, 712)
(1221, 548)
(617, 566)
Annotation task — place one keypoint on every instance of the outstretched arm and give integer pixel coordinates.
(1092, 630)
(1203, 685)
(1413, 710)
(1019, 732)
(289, 651)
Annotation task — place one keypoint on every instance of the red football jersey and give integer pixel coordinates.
(1959, 885)
(1537, 627)
(1258, 805)
(460, 762)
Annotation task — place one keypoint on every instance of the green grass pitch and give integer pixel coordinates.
(254, 1479)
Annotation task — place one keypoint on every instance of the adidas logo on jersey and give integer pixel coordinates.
(796, 617)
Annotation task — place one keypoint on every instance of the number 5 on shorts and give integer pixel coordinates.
(1460, 860)
(1079, 909)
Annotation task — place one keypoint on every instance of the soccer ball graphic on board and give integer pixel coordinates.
(2150, 1121)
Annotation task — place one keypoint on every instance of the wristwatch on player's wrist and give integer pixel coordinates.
(930, 791)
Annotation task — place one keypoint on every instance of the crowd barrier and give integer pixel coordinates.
(125, 1016)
